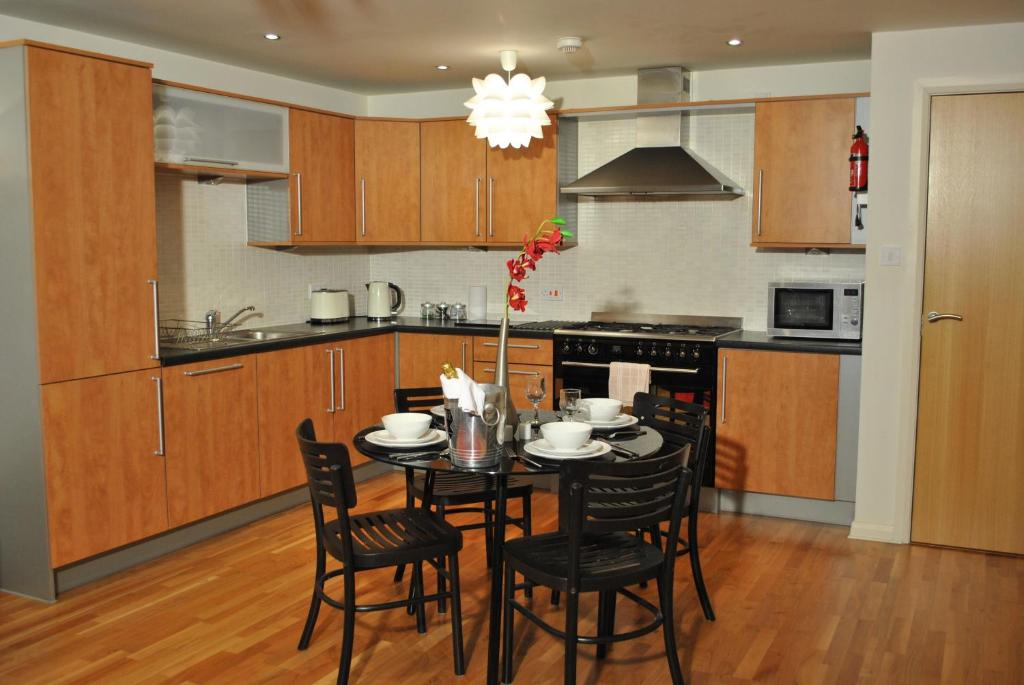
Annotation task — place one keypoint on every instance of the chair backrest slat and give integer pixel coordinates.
(418, 399)
(329, 477)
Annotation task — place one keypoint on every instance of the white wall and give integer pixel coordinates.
(175, 66)
(906, 67)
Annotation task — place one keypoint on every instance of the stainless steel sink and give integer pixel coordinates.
(258, 335)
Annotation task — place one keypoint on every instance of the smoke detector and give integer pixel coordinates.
(569, 44)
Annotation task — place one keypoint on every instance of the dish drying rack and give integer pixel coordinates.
(185, 332)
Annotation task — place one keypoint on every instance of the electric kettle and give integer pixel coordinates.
(383, 300)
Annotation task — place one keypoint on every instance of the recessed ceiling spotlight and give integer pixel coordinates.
(734, 42)
(272, 36)
(442, 67)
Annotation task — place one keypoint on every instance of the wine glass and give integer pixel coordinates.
(536, 391)
(570, 401)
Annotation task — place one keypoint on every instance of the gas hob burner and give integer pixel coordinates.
(653, 326)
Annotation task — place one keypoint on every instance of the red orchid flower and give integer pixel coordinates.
(516, 269)
(533, 250)
(516, 298)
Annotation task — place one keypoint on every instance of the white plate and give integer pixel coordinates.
(438, 411)
(382, 438)
(620, 421)
(592, 448)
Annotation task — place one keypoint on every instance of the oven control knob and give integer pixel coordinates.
(696, 353)
(592, 349)
(682, 352)
(639, 351)
(654, 351)
(566, 346)
(667, 353)
(579, 348)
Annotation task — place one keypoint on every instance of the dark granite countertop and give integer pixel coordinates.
(356, 327)
(759, 340)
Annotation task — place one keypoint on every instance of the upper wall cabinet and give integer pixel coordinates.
(322, 165)
(522, 187)
(202, 129)
(387, 181)
(453, 164)
(801, 172)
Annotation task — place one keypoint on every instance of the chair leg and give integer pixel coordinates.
(457, 648)
(348, 629)
(417, 581)
(508, 626)
(410, 502)
(527, 532)
(698, 574)
(442, 603)
(605, 620)
(488, 531)
(399, 573)
(555, 596)
(668, 629)
(314, 603)
(572, 606)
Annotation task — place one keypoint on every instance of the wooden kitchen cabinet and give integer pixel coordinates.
(453, 164)
(518, 375)
(212, 437)
(522, 187)
(366, 387)
(420, 356)
(105, 482)
(520, 350)
(801, 172)
(90, 125)
(527, 358)
(777, 422)
(322, 152)
(387, 181)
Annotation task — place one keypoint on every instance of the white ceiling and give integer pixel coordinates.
(378, 46)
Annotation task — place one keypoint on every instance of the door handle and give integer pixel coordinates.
(760, 186)
(464, 345)
(725, 383)
(155, 287)
(513, 346)
(215, 369)
(490, 207)
(362, 205)
(935, 316)
(341, 378)
(477, 208)
(298, 197)
(161, 450)
(330, 378)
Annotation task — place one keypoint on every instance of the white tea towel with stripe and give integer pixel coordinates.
(626, 379)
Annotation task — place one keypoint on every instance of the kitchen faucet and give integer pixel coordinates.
(211, 318)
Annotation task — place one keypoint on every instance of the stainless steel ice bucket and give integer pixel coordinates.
(473, 438)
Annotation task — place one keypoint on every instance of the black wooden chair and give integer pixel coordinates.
(368, 541)
(598, 552)
(459, 489)
(681, 423)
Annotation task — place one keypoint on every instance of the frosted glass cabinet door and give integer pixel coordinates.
(202, 129)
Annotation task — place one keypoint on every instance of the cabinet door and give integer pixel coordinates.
(518, 375)
(322, 150)
(105, 483)
(387, 182)
(776, 423)
(453, 165)
(801, 171)
(420, 356)
(212, 443)
(293, 385)
(522, 187)
(366, 386)
(93, 213)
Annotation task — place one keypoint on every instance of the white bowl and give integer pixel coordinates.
(407, 426)
(603, 408)
(566, 435)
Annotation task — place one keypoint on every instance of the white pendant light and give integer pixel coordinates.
(509, 113)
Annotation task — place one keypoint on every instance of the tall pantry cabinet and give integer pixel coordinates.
(81, 469)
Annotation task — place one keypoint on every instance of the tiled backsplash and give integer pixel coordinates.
(649, 255)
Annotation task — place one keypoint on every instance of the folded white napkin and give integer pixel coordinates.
(465, 390)
(626, 379)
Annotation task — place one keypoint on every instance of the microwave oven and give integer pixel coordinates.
(816, 310)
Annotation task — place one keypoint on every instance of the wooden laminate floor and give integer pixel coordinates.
(796, 603)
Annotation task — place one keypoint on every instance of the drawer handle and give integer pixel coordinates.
(516, 373)
(514, 346)
(215, 369)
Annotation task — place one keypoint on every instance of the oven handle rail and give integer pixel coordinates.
(657, 369)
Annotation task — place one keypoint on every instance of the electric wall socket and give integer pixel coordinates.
(552, 294)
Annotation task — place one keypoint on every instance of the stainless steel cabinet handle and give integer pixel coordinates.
(760, 185)
(514, 346)
(341, 378)
(298, 197)
(156, 318)
(464, 344)
(362, 203)
(659, 369)
(213, 369)
(208, 160)
(478, 207)
(725, 383)
(161, 450)
(490, 207)
(330, 377)
(516, 373)
(935, 316)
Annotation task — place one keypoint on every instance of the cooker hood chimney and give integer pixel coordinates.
(659, 164)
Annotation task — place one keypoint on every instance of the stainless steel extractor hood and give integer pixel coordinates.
(659, 164)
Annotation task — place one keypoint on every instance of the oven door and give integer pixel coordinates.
(803, 312)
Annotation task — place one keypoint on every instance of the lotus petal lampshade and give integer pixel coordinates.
(509, 113)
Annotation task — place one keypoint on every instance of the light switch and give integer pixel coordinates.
(891, 255)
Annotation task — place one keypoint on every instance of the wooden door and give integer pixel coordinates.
(776, 423)
(453, 167)
(387, 182)
(93, 214)
(420, 356)
(969, 468)
(522, 187)
(518, 376)
(212, 437)
(366, 386)
(105, 482)
(322, 151)
(292, 385)
(801, 171)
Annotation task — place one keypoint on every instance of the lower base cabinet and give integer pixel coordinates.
(212, 440)
(421, 356)
(518, 376)
(776, 424)
(105, 484)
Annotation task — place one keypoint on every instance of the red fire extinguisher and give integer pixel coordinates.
(859, 162)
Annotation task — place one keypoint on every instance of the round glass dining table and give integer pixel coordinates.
(517, 461)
